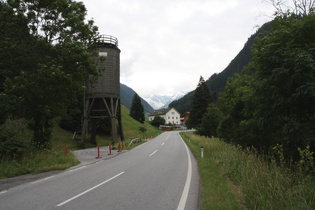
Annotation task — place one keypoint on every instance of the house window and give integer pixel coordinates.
(173, 118)
(168, 117)
(173, 112)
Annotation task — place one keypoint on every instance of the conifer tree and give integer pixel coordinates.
(137, 110)
(199, 105)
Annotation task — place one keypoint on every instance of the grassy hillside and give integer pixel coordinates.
(131, 127)
(37, 161)
(53, 159)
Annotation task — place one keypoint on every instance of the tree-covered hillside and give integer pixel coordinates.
(217, 82)
(126, 95)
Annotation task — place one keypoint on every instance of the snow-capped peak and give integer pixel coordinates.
(162, 101)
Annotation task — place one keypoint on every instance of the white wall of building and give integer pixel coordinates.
(172, 117)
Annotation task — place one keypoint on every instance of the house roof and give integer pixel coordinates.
(186, 114)
(160, 112)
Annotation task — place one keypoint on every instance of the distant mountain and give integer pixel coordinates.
(126, 96)
(217, 82)
(160, 102)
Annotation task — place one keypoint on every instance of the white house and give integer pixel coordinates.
(170, 115)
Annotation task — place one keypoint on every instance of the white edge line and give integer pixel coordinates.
(153, 153)
(4, 191)
(77, 169)
(43, 179)
(67, 201)
(183, 199)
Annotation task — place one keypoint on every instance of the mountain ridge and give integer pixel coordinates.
(162, 101)
(217, 81)
(126, 96)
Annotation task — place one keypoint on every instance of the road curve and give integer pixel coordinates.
(160, 174)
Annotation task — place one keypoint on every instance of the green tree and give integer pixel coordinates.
(49, 72)
(199, 104)
(157, 121)
(137, 110)
(284, 65)
(237, 104)
(210, 121)
(15, 42)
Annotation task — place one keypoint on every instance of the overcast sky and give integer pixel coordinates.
(166, 45)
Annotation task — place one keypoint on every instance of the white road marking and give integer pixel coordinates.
(67, 201)
(153, 153)
(77, 169)
(43, 179)
(167, 137)
(163, 143)
(183, 199)
(4, 191)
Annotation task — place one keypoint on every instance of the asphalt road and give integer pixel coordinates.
(160, 174)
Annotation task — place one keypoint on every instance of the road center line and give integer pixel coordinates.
(67, 201)
(153, 153)
(163, 143)
(183, 199)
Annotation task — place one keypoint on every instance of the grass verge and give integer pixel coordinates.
(217, 192)
(249, 181)
(44, 160)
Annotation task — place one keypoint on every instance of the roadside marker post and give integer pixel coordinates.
(66, 151)
(201, 151)
(98, 152)
(119, 147)
(110, 149)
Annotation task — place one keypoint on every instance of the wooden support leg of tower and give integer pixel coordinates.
(122, 138)
(93, 132)
(114, 129)
(84, 132)
(87, 108)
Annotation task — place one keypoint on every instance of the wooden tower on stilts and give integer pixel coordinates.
(102, 97)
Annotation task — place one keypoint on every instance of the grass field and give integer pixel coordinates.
(233, 178)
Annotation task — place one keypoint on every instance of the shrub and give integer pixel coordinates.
(157, 121)
(15, 139)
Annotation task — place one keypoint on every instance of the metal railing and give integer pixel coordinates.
(108, 39)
